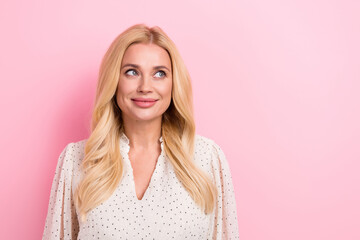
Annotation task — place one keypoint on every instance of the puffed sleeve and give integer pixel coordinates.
(225, 219)
(61, 220)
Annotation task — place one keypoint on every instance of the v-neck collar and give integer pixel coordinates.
(125, 148)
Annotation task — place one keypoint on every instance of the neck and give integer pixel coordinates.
(143, 134)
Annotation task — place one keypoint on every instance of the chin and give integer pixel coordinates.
(145, 117)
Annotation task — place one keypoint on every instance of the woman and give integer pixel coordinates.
(143, 173)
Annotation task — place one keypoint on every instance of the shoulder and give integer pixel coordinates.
(210, 156)
(206, 144)
(72, 155)
(76, 148)
(201, 140)
(207, 151)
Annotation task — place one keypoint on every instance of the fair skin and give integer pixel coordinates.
(145, 73)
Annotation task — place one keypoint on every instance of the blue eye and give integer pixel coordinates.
(164, 74)
(130, 71)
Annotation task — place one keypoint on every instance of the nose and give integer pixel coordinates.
(144, 84)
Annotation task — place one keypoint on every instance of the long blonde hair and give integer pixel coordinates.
(103, 165)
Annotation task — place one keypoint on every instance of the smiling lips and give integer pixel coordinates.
(144, 102)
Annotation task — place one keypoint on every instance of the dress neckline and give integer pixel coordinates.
(125, 146)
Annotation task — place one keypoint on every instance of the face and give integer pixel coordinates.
(145, 83)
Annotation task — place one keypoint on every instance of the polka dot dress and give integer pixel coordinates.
(166, 211)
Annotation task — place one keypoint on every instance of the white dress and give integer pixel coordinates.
(166, 210)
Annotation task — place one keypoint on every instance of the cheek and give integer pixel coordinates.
(122, 93)
(125, 87)
(166, 89)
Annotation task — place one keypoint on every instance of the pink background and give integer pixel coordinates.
(276, 85)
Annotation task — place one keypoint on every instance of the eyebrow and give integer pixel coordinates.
(137, 66)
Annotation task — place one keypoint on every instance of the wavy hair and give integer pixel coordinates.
(103, 164)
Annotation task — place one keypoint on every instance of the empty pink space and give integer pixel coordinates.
(276, 85)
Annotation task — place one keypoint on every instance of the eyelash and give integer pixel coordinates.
(136, 71)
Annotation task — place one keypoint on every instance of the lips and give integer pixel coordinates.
(144, 99)
(144, 102)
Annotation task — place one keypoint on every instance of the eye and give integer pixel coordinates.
(164, 74)
(130, 70)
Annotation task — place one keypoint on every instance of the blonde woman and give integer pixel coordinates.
(143, 173)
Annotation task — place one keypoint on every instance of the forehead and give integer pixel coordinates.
(146, 55)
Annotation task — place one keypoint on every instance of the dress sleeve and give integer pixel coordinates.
(225, 219)
(61, 220)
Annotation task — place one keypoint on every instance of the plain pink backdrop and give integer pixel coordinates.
(276, 85)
